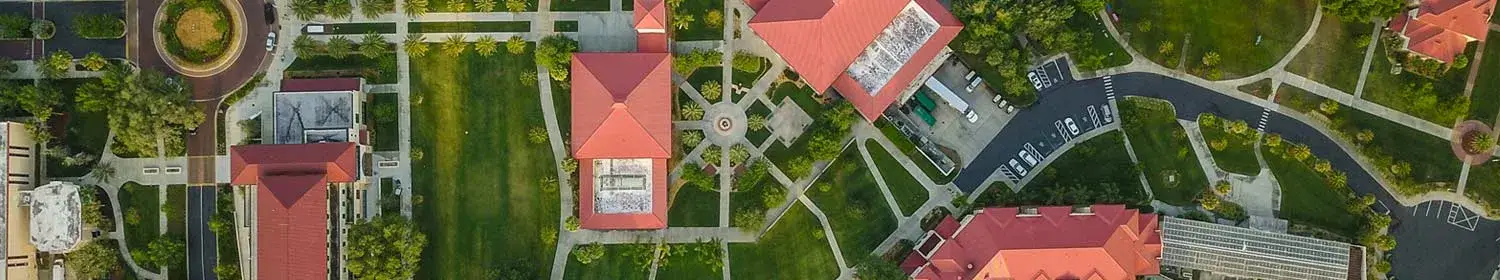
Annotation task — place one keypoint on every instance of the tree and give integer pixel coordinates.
(1481, 142)
(1362, 10)
(1090, 6)
(484, 5)
(7, 66)
(166, 251)
(690, 111)
(1211, 59)
(1209, 200)
(711, 90)
(415, 45)
(1273, 140)
(571, 223)
(306, 47)
(714, 19)
(875, 268)
(454, 45)
(1166, 48)
(372, 45)
(387, 248)
(1322, 166)
(537, 135)
(54, 65)
(691, 139)
(588, 253)
(515, 45)
(339, 47)
(1364, 136)
(338, 8)
(486, 45)
(375, 8)
(41, 102)
(93, 261)
(756, 122)
(1328, 107)
(515, 6)
(556, 53)
(458, 6)
(1400, 169)
(415, 7)
(143, 108)
(102, 172)
(94, 61)
(712, 155)
(682, 21)
(306, 9)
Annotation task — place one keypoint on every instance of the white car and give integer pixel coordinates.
(1036, 82)
(971, 116)
(1020, 171)
(1072, 127)
(1031, 160)
(271, 41)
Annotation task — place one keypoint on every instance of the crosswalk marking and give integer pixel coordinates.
(1109, 88)
(1265, 115)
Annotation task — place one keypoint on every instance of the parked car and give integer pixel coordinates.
(271, 41)
(1072, 127)
(1020, 171)
(971, 116)
(974, 84)
(1031, 160)
(1036, 82)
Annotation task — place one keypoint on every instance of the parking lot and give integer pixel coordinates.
(1439, 232)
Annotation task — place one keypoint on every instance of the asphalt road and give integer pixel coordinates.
(202, 246)
(1429, 246)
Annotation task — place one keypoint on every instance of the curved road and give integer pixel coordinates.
(1426, 234)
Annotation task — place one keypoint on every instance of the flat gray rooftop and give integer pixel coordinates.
(313, 117)
(1252, 253)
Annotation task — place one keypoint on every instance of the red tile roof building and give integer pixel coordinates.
(833, 43)
(1105, 242)
(622, 128)
(1441, 29)
(291, 208)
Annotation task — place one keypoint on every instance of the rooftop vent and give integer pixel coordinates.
(1028, 212)
(1082, 211)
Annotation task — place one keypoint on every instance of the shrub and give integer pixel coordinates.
(15, 26)
(556, 53)
(1223, 187)
(56, 64)
(714, 18)
(537, 135)
(589, 253)
(711, 90)
(749, 219)
(43, 29)
(1480, 142)
(98, 26)
(94, 61)
(571, 223)
(691, 139)
(515, 45)
(746, 62)
(1209, 200)
(486, 45)
(756, 122)
(1328, 107)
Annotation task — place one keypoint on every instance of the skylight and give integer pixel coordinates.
(622, 186)
(894, 48)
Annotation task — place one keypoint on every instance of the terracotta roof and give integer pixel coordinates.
(323, 84)
(820, 39)
(291, 202)
(622, 105)
(1441, 29)
(1112, 243)
(651, 42)
(655, 219)
(650, 14)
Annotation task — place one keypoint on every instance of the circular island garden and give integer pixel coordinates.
(199, 38)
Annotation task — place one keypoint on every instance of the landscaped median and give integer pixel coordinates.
(1163, 149)
(1232, 144)
(1093, 172)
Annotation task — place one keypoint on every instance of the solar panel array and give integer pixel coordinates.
(1251, 253)
(897, 43)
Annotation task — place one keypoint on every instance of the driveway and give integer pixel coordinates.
(202, 245)
(1425, 247)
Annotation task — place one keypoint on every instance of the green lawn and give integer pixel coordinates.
(482, 210)
(1298, 99)
(704, 75)
(782, 155)
(583, 5)
(1306, 199)
(565, 26)
(747, 79)
(176, 209)
(1230, 28)
(1238, 155)
(1333, 57)
(1432, 165)
(384, 119)
(1485, 102)
(1261, 88)
(141, 207)
(379, 70)
(1484, 185)
(360, 28)
(1100, 46)
(758, 137)
(688, 261)
(693, 206)
(790, 250)
(1399, 92)
(84, 132)
(1098, 171)
(441, 6)
(228, 251)
(1165, 154)
(562, 100)
(909, 193)
(909, 148)
(699, 29)
(854, 204)
(617, 263)
(469, 26)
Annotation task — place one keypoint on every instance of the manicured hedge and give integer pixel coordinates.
(98, 26)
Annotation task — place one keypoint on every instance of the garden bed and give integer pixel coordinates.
(379, 70)
(1261, 88)
(1396, 143)
(384, 118)
(699, 29)
(1485, 102)
(359, 28)
(468, 26)
(1232, 152)
(141, 209)
(197, 32)
(1306, 197)
(620, 261)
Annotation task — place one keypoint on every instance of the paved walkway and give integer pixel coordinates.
(1359, 88)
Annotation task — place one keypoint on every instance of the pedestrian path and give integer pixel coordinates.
(1265, 115)
(1109, 87)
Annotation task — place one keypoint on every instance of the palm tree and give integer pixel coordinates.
(102, 172)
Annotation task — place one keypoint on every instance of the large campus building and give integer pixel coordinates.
(872, 52)
(622, 128)
(1106, 242)
(18, 162)
(1441, 29)
(306, 180)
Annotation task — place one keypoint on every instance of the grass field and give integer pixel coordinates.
(141, 207)
(386, 132)
(1485, 101)
(790, 250)
(616, 264)
(747, 79)
(1484, 184)
(1099, 43)
(1261, 88)
(692, 206)
(1432, 165)
(690, 264)
(360, 28)
(759, 137)
(565, 26)
(176, 209)
(379, 70)
(1333, 57)
(909, 148)
(1230, 28)
(699, 29)
(1394, 90)
(1298, 99)
(469, 26)
(909, 193)
(1238, 156)
(855, 207)
(1097, 171)
(1165, 154)
(440, 6)
(583, 5)
(1306, 199)
(483, 209)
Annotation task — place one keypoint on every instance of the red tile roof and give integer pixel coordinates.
(650, 14)
(1113, 243)
(291, 202)
(324, 84)
(820, 39)
(1441, 29)
(622, 104)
